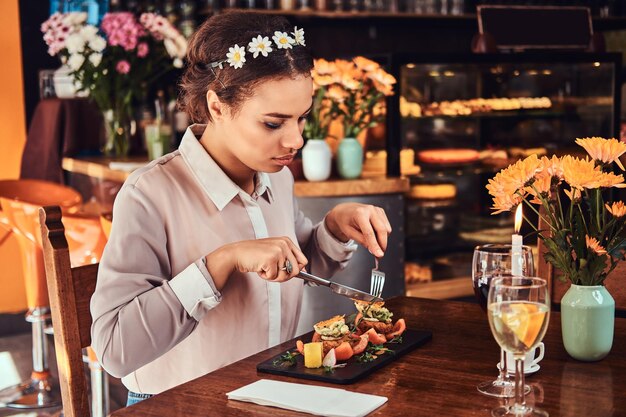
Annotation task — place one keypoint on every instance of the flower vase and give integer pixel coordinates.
(117, 132)
(350, 158)
(316, 160)
(587, 322)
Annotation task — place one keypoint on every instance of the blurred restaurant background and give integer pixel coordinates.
(476, 88)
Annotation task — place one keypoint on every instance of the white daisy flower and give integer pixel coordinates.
(75, 43)
(236, 56)
(298, 35)
(97, 44)
(89, 32)
(75, 61)
(95, 59)
(282, 40)
(260, 45)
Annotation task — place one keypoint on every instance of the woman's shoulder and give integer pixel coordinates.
(160, 170)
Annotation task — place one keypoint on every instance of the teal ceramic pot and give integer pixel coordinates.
(350, 158)
(587, 322)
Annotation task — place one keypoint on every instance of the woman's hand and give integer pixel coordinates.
(366, 224)
(267, 257)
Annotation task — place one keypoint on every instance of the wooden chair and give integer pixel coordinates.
(70, 291)
(614, 282)
(19, 202)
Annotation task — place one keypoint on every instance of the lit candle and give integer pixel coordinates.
(516, 244)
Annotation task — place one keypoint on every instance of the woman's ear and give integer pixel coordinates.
(215, 106)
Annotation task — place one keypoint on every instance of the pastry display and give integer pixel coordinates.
(472, 106)
(516, 152)
(432, 191)
(448, 156)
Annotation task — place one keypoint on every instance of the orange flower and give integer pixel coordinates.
(336, 93)
(604, 150)
(581, 173)
(505, 202)
(608, 179)
(618, 209)
(349, 82)
(552, 166)
(323, 67)
(594, 245)
(365, 64)
(322, 80)
(383, 81)
(346, 67)
(506, 186)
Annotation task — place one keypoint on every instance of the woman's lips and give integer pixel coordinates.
(284, 160)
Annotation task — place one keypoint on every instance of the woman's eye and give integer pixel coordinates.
(302, 119)
(273, 126)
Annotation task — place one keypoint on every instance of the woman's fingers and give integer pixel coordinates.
(283, 259)
(369, 239)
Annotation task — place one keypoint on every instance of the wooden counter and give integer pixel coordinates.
(99, 168)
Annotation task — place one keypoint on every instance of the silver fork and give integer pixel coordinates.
(377, 281)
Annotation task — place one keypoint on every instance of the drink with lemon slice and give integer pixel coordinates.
(518, 326)
(519, 312)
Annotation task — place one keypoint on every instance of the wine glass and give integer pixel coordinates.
(519, 311)
(495, 260)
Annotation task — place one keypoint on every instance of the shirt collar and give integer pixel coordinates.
(218, 186)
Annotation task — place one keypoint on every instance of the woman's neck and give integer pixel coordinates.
(213, 142)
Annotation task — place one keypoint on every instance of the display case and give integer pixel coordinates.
(465, 118)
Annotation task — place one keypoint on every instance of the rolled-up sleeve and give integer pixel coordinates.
(139, 310)
(195, 289)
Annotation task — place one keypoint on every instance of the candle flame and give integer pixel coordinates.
(518, 218)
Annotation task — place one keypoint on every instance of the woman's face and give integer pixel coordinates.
(266, 132)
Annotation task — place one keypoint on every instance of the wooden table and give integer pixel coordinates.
(436, 379)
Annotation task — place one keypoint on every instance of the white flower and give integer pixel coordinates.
(97, 44)
(178, 63)
(75, 61)
(89, 32)
(176, 47)
(75, 43)
(298, 35)
(282, 40)
(260, 44)
(95, 59)
(236, 56)
(74, 18)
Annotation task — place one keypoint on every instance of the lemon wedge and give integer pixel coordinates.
(525, 321)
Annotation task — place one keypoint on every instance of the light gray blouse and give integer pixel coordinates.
(158, 320)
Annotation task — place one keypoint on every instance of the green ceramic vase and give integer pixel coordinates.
(350, 158)
(587, 322)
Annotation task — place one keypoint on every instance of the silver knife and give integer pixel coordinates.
(339, 288)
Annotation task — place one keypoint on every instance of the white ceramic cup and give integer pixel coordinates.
(531, 361)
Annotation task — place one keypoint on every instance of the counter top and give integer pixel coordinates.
(100, 167)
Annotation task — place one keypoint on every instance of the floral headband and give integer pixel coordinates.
(236, 55)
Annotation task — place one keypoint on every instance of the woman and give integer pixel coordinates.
(205, 240)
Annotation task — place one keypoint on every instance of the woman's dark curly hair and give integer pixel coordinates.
(211, 42)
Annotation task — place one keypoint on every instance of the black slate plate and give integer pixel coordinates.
(354, 370)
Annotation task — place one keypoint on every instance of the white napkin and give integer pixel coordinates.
(321, 401)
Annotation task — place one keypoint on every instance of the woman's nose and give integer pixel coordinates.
(294, 139)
